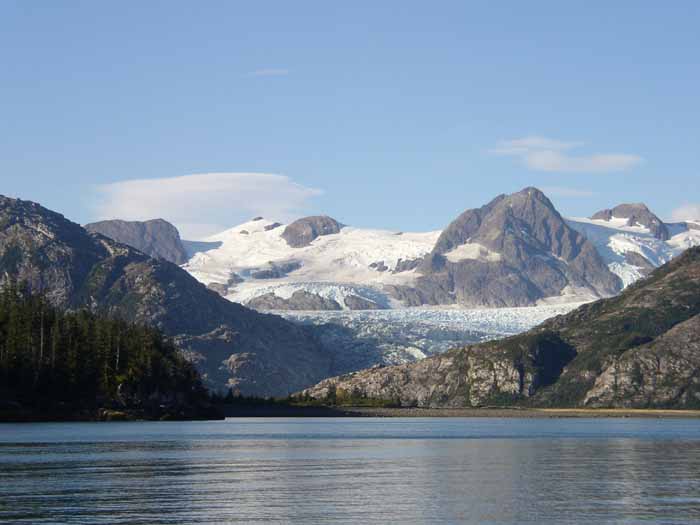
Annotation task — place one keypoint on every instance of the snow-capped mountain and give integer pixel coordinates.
(515, 251)
(633, 241)
(348, 268)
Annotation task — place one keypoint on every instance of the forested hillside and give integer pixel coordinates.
(53, 361)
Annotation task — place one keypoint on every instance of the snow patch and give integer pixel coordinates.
(472, 251)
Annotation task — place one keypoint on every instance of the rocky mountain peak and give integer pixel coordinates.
(156, 238)
(637, 214)
(302, 232)
(513, 251)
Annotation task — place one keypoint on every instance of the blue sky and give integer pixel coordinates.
(397, 115)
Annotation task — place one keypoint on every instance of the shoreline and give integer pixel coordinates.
(282, 411)
(485, 412)
(528, 413)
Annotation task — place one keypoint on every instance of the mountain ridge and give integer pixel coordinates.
(494, 256)
(76, 269)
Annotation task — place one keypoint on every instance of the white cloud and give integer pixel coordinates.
(203, 204)
(686, 212)
(533, 142)
(269, 72)
(544, 154)
(561, 191)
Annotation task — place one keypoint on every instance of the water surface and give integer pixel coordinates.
(416, 470)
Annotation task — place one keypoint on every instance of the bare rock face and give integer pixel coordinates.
(435, 382)
(639, 349)
(379, 266)
(639, 261)
(661, 373)
(300, 300)
(512, 252)
(303, 231)
(637, 215)
(157, 238)
(407, 265)
(355, 302)
(276, 270)
(76, 269)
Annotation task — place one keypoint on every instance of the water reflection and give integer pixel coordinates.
(369, 471)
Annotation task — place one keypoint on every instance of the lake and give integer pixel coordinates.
(352, 470)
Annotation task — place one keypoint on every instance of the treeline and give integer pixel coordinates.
(51, 358)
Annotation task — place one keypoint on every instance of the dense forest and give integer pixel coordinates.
(51, 360)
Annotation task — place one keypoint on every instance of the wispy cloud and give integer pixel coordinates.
(545, 154)
(269, 72)
(203, 204)
(532, 143)
(686, 212)
(561, 191)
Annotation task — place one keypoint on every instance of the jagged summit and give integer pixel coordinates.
(635, 214)
(514, 251)
(529, 208)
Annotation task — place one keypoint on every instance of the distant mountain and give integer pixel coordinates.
(639, 349)
(634, 215)
(515, 251)
(632, 240)
(157, 238)
(314, 263)
(232, 345)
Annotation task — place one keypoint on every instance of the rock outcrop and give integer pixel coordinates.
(303, 231)
(639, 349)
(514, 251)
(355, 302)
(299, 300)
(661, 373)
(157, 238)
(276, 270)
(636, 214)
(232, 345)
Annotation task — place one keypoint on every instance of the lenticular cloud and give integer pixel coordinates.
(205, 203)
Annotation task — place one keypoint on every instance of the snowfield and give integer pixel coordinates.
(333, 266)
(252, 259)
(613, 239)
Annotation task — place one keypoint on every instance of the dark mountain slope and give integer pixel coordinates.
(232, 345)
(639, 349)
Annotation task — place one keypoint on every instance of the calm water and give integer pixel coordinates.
(352, 470)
